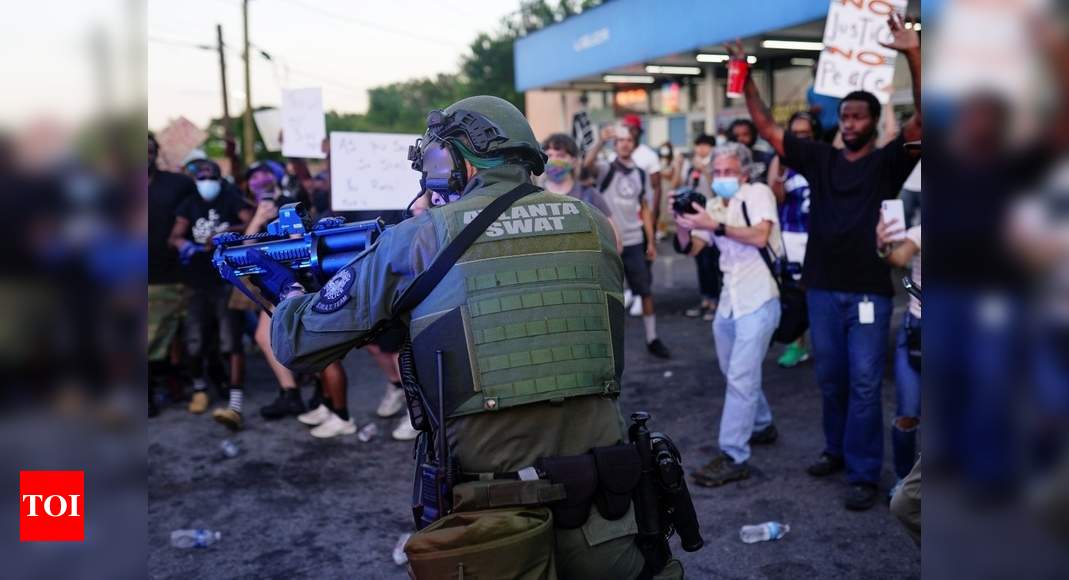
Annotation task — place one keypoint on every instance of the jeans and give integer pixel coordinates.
(849, 359)
(907, 400)
(741, 346)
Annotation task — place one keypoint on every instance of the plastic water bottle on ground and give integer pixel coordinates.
(230, 449)
(367, 432)
(763, 532)
(194, 538)
(399, 556)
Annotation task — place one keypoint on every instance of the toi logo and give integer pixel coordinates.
(51, 506)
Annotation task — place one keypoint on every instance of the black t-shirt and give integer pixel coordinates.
(845, 201)
(166, 192)
(208, 219)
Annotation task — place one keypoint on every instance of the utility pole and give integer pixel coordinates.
(248, 145)
(228, 126)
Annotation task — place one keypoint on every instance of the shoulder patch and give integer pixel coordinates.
(335, 293)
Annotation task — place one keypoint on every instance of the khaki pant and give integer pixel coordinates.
(166, 308)
(906, 504)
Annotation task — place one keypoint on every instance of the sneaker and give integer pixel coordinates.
(404, 431)
(636, 307)
(826, 465)
(333, 427)
(721, 470)
(393, 400)
(694, 312)
(658, 349)
(792, 356)
(766, 436)
(861, 497)
(230, 418)
(316, 416)
(710, 313)
(199, 403)
(288, 402)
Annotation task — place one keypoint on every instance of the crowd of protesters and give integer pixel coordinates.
(791, 209)
(201, 327)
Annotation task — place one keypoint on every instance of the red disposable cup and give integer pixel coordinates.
(737, 71)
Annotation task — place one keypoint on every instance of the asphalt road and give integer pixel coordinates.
(291, 506)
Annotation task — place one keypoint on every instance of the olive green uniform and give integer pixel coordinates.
(532, 317)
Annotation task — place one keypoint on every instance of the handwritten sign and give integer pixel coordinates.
(583, 131)
(371, 171)
(177, 140)
(303, 124)
(269, 123)
(853, 59)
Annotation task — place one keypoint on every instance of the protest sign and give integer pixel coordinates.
(371, 171)
(583, 131)
(853, 59)
(269, 124)
(177, 140)
(303, 124)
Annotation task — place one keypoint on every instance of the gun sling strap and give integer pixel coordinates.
(429, 278)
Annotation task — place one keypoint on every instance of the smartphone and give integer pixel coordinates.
(892, 211)
(622, 132)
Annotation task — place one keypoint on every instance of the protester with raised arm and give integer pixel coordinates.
(849, 289)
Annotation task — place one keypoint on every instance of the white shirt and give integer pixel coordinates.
(748, 284)
(644, 157)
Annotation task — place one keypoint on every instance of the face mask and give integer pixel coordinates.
(720, 139)
(208, 188)
(558, 170)
(666, 152)
(262, 185)
(726, 187)
(702, 160)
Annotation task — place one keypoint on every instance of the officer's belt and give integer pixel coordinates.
(604, 476)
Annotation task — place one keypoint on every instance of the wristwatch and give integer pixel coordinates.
(720, 230)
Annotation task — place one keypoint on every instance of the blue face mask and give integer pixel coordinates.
(726, 187)
(208, 188)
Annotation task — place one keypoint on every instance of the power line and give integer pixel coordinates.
(377, 26)
(180, 43)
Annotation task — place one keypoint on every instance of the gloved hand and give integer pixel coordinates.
(186, 252)
(276, 281)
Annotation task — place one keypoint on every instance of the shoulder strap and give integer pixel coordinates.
(608, 178)
(763, 251)
(429, 278)
(641, 182)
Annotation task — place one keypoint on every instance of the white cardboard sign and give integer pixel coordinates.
(853, 59)
(303, 124)
(269, 123)
(371, 171)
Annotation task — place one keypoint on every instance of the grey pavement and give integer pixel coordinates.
(291, 506)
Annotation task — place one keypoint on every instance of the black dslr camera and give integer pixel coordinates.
(681, 202)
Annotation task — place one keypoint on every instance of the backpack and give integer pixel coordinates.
(612, 173)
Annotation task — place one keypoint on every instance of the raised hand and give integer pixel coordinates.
(735, 50)
(902, 39)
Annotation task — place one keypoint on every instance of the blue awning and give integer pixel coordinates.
(625, 32)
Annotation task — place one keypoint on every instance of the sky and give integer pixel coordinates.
(343, 46)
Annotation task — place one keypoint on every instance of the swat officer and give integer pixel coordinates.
(518, 346)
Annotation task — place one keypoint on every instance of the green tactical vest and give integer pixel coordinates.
(531, 312)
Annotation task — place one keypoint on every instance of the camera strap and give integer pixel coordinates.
(429, 278)
(766, 254)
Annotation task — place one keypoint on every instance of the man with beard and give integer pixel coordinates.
(849, 289)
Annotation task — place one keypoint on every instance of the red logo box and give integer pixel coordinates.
(51, 506)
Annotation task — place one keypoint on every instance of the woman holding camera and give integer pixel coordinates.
(748, 311)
